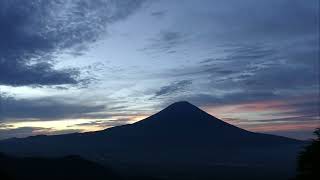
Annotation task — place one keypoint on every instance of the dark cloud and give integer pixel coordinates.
(17, 73)
(34, 32)
(53, 108)
(173, 88)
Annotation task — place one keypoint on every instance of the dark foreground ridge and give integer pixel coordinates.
(179, 142)
(62, 168)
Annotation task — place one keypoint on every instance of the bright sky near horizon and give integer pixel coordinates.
(77, 65)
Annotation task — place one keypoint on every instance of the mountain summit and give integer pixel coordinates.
(184, 117)
(181, 106)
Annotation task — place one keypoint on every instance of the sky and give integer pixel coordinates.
(76, 65)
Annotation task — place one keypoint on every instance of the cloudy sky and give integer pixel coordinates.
(78, 65)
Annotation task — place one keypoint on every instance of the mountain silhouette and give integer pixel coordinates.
(185, 117)
(179, 141)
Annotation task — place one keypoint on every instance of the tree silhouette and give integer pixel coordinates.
(309, 160)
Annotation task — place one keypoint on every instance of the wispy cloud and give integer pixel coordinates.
(172, 88)
(166, 42)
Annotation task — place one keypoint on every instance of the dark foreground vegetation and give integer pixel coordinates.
(309, 160)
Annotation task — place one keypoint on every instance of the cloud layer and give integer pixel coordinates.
(34, 32)
(53, 108)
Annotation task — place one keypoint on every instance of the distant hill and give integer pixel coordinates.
(70, 167)
(181, 141)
